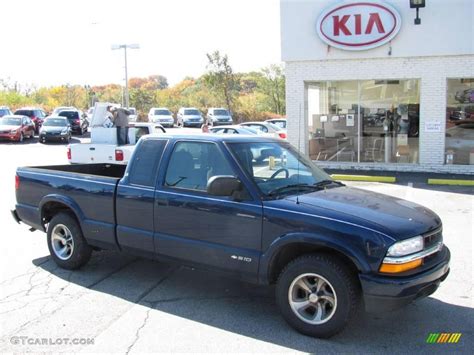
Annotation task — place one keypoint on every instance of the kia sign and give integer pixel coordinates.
(357, 26)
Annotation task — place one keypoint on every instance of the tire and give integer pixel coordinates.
(66, 244)
(324, 312)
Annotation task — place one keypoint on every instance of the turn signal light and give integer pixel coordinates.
(397, 268)
(118, 155)
(282, 135)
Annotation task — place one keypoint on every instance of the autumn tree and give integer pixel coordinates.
(272, 84)
(220, 77)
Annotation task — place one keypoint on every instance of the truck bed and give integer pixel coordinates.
(90, 188)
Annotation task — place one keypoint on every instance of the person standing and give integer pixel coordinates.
(121, 119)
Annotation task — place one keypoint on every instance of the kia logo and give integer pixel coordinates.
(359, 25)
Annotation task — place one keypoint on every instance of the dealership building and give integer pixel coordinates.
(381, 85)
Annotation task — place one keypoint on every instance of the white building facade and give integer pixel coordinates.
(367, 88)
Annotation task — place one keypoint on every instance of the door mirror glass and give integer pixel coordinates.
(223, 185)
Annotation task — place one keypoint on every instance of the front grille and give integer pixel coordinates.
(432, 238)
(4, 132)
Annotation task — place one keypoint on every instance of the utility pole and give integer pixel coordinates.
(124, 47)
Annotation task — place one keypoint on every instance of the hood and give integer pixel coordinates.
(395, 217)
(222, 117)
(189, 117)
(162, 117)
(9, 127)
(52, 129)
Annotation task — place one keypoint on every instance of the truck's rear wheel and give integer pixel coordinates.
(317, 295)
(66, 244)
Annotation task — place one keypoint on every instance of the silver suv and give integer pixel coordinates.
(218, 116)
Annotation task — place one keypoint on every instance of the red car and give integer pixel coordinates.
(16, 128)
(37, 115)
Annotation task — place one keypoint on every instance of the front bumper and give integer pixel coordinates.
(382, 293)
(10, 136)
(192, 124)
(53, 137)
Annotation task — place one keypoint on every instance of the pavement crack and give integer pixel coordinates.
(137, 333)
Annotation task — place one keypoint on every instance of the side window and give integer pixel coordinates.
(144, 165)
(192, 164)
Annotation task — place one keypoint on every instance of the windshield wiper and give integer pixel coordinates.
(328, 182)
(281, 189)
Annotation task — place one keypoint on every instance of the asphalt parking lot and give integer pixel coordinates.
(125, 304)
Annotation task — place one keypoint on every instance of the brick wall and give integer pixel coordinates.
(433, 73)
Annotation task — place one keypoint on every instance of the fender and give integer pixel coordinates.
(64, 200)
(267, 258)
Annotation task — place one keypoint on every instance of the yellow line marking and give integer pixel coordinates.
(451, 182)
(364, 178)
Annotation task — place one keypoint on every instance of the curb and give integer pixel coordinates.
(450, 182)
(364, 178)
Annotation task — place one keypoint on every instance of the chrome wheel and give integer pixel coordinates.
(312, 298)
(62, 242)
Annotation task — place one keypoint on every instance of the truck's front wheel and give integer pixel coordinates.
(317, 295)
(66, 244)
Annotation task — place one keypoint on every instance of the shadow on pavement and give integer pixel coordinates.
(250, 310)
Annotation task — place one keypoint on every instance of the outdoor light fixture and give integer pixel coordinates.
(416, 4)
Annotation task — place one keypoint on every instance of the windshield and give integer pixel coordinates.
(192, 112)
(277, 167)
(55, 122)
(4, 111)
(132, 110)
(221, 113)
(10, 121)
(162, 113)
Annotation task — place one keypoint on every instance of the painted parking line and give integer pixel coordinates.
(364, 178)
(451, 182)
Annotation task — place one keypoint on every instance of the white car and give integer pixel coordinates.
(236, 129)
(133, 114)
(280, 122)
(189, 117)
(162, 116)
(267, 129)
(218, 116)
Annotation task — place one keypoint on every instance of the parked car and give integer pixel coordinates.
(5, 110)
(279, 122)
(235, 129)
(77, 120)
(37, 115)
(133, 114)
(189, 117)
(267, 129)
(55, 129)
(62, 108)
(162, 116)
(16, 128)
(203, 201)
(218, 116)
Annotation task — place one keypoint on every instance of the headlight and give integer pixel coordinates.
(64, 131)
(13, 131)
(406, 247)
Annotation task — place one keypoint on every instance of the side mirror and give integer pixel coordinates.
(223, 185)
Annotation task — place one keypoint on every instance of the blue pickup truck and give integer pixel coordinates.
(250, 207)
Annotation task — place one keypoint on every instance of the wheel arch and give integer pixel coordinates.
(51, 205)
(288, 248)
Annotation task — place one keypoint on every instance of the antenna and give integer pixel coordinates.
(299, 150)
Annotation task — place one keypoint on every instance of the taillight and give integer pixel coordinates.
(69, 153)
(17, 182)
(282, 135)
(77, 120)
(118, 155)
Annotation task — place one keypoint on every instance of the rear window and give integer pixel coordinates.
(4, 111)
(28, 113)
(70, 115)
(145, 162)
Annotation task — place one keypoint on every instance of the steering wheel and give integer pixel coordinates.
(274, 175)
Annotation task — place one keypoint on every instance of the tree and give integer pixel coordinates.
(152, 82)
(220, 77)
(272, 84)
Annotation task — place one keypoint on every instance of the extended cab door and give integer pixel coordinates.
(192, 226)
(136, 196)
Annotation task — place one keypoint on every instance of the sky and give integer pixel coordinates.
(51, 42)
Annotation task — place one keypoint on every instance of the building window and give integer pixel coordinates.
(374, 121)
(459, 147)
